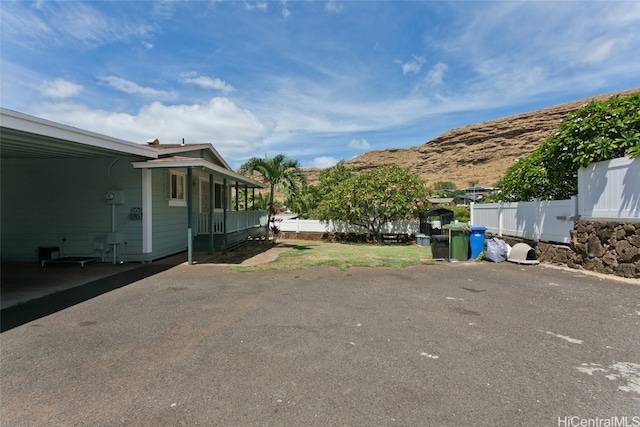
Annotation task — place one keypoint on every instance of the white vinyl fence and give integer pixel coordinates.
(608, 191)
(314, 226)
(550, 220)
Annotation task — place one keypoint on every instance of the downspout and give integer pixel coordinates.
(189, 217)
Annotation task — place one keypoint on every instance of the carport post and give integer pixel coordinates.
(189, 216)
(224, 212)
(211, 186)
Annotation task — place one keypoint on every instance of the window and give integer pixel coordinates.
(177, 190)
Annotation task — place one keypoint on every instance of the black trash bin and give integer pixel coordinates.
(440, 247)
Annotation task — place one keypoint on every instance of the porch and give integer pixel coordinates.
(228, 221)
(230, 229)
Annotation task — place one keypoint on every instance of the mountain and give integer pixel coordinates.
(480, 153)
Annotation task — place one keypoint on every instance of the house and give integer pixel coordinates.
(68, 192)
(440, 201)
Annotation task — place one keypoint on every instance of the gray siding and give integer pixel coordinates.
(60, 202)
(169, 222)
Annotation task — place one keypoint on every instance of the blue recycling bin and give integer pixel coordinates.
(476, 240)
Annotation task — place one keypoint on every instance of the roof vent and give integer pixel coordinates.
(153, 141)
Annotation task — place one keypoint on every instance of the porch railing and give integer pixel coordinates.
(236, 221)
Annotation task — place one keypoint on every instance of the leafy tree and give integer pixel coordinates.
(460, 213)
(303, 201)
(278, 172)
(527, 179)
(333, 176)
(601, 130)
(306, 199)
(371, 199)
(444, 185)
(261, 201)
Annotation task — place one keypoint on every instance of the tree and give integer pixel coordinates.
(305, 200)
(333, 176)
(527, 179)
(601, 130)
(371, 199)
(444, 185)
(278, 172)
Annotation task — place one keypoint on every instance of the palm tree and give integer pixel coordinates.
(278, 172)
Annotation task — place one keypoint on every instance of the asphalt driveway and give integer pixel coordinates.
(444, 345)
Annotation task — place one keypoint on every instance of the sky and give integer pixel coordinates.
(318, 81)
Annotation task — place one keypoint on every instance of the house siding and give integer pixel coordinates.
(60, 202)
(169, 222)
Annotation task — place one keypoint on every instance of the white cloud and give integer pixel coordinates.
(414, 65)
(285, 10)
(436, 73)
(256, 5)
(130, 87)
(209, 83)
(599, 50)
(361, 144)
(323, 162)
(234, 132)
(59, 89)
(333, 6)
(68, 22)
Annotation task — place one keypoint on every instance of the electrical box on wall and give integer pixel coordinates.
(114, 197)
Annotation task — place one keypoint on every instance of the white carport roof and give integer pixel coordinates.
(25, 136)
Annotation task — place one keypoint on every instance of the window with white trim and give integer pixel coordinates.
(177, 189)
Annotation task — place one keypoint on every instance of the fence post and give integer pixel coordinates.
(500, 218)
(574, 206)
(471, 221)
(297, 225)
(536, 220)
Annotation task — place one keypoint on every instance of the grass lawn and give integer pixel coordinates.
(307, 254)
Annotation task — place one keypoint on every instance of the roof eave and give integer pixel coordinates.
(36, 125)
(197, 163)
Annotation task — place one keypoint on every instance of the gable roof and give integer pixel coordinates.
(185, 148)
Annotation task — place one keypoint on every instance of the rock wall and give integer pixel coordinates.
(600, 246)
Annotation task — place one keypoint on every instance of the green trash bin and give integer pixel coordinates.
(458, 241)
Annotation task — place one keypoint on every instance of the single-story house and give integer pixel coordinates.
(71, 193)
(441, 201)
